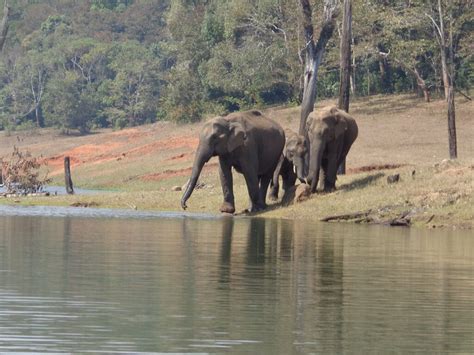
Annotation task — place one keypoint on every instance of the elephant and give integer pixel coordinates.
(330, 135)
(249, 142)
(292, 163)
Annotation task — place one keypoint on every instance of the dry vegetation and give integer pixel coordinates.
(20, 173)
(397, 134)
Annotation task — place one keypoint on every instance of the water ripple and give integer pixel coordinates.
(89, 212)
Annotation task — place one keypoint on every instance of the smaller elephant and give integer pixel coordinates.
(249, 142)
(330, 136)
(292, 163)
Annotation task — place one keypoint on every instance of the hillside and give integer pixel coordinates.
(142, 164)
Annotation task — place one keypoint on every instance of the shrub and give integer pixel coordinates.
(20, 173)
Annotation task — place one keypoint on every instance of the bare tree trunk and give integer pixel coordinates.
(444, 65)
(314, 52)
(67, 176)
(368, 81)
(4, 25)
(353, 71)
(444, 69)
(453, 146)
(422, 85)
(345, 63)
(448, 74)
(345, 57)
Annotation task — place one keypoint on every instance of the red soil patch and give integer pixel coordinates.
(87, 153)
(173, 173)
(166, 144)
(101, 153)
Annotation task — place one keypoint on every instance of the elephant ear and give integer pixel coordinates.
(236, 137)
(341, 125)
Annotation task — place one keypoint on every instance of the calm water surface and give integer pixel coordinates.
(103, 282)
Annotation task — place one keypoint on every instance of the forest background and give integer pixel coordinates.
(116, 63)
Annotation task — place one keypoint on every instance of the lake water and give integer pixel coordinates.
(86, 280)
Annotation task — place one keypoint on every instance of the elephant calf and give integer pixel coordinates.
(249, 142)
(291, 164)
(330, 135)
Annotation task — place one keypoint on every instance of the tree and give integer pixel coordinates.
(130, 96)
(446, 38)
(345, 60)
(24, 90)
(314, 52)
(4, 25)
(69, 104)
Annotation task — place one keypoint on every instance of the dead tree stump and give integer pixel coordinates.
(67, 176)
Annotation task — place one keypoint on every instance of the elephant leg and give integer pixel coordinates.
(274, 183)
(225, 175)
(252, 180)
(288, 176)
(323, 173)
(344, 152)
(334, 154)
(264, 181)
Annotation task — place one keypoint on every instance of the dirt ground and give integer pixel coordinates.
(395, 132)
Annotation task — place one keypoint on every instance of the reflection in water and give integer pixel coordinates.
(240, 284)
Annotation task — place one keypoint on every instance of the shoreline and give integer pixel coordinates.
(420, 201)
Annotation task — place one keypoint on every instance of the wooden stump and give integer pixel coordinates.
(67, 176)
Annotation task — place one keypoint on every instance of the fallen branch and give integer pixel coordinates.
(463, 94)
(347, 216)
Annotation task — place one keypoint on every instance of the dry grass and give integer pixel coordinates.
(144, 163)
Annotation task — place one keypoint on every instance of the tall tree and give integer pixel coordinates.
(345, 57)
(314, 51)
(446, 43)
(345, 64)
(4, 25)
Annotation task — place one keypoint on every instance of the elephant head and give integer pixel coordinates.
(218, 137)
(322, 131)
(296, 151)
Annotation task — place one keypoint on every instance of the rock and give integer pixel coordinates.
(391, 179)
(302, 193)
(176, 188)
(445, 164)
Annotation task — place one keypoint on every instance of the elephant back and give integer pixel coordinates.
(265, 137)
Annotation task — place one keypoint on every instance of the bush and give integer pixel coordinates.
(20, 174)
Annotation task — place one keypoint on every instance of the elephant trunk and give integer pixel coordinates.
(300, 169)
(315, 165)
(199, 162)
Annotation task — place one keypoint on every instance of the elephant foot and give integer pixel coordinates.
(227, 208)
(329, 188)
(273, 197)
(256, 208)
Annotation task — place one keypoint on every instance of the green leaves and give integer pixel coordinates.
(117, 63)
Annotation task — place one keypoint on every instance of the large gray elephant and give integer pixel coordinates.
(249, 142)
(330, 134)
(293, 163)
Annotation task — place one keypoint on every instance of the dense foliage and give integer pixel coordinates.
(97, 63)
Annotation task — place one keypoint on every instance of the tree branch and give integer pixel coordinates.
(314, 54)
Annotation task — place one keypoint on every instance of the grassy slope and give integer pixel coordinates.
(143, 163)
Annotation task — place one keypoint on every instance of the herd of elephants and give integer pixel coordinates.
(258, 147)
